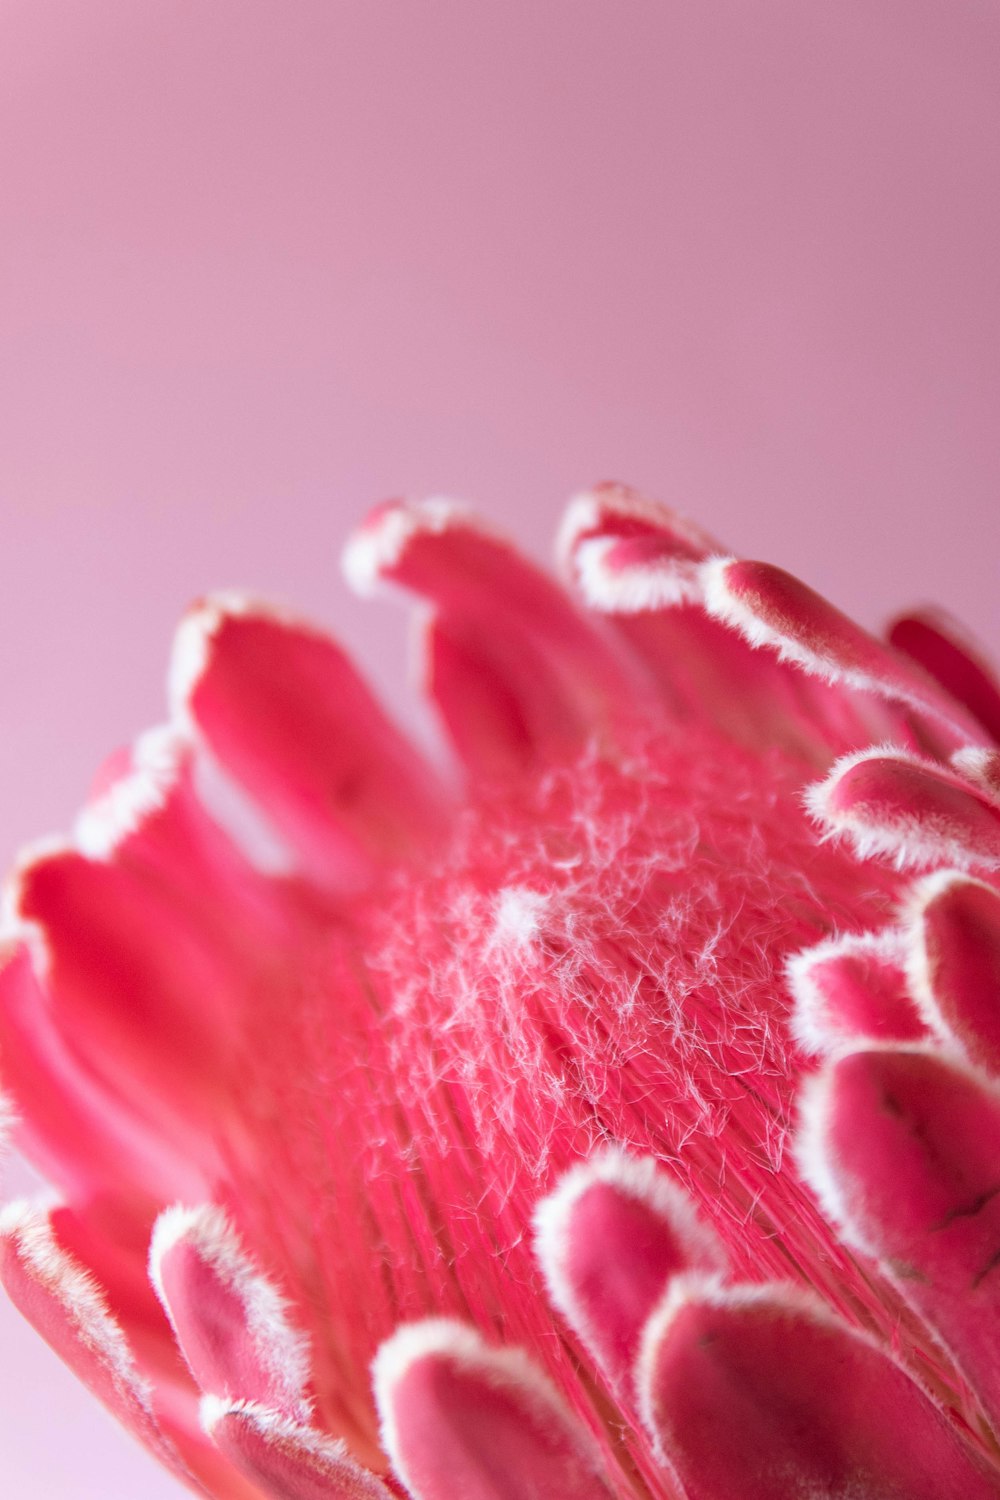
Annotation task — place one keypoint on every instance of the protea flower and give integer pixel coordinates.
(610, 1111)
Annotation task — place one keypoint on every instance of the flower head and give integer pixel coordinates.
(610, 1110)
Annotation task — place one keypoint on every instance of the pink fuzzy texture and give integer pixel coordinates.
(502, 1072)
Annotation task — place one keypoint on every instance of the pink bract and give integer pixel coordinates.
(610, 1110)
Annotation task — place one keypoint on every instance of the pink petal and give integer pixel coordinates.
(104, 1240)
(902, 1147)
(955, 962)
(895, 805)
(130, 790)
(149, 816)
(851, 989)
(755, 1393)
(68, 1309)
(139, 996)
(437, 551)
(980, 766)
(109, 1239)
(231, 1323)
(614, 509)
(497, 700)
(463, 1421)
(628, 554)
(771, 608)
(609, 1239)
(282, 710)
(553, 672)
(75, 1129)
(288, 1460)
(941, 648)
(645, 567)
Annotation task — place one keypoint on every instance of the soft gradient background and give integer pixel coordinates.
(265, 263)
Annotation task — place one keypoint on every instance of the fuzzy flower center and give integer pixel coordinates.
(596, 958)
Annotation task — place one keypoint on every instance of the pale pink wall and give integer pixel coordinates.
(264, 263)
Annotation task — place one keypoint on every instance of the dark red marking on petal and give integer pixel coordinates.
(903, 1148)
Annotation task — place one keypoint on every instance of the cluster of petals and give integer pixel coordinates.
(608, 1107)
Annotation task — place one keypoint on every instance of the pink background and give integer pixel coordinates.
(267, 261)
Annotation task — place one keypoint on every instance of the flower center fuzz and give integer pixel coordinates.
(594, 958)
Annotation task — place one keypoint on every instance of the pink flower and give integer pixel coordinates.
(624, 1095)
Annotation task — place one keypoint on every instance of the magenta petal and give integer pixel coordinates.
(464, 1421)
(551, 669)
(138, 996)
(980, 766)
(647, 569)
(755, 1393)
(851, 989)
(909, 810)
(628, 554)
(109, 1240)
(939, 645)
(288, 1460)
(283, 711)
(75, 1128)
(68, 1309)
(955, 962)
(771, 608)
(231, 1323)
(500, 705)
(609, 1239)
(437, 551)
(149, 816)
(902, 1147)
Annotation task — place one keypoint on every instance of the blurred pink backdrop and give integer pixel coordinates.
(264, 263)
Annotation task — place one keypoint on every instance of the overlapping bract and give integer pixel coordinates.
(613, 1112)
